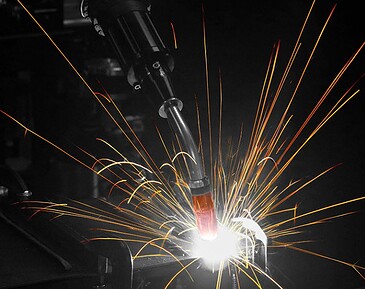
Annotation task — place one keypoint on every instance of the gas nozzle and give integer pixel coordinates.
(204, 211)
(147, 63)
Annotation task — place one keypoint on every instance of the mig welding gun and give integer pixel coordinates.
(148, 65)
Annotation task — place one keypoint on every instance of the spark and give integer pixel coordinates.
(185, 154)
(140, 186)
(179, 272)
(357, 268)
(174, 34)
(207, 90)
(123, 163)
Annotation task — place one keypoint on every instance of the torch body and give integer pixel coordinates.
(147, 63)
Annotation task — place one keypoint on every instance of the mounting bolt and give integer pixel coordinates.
(156, 65)
(137, 86)
(24, 194)
(4, 192)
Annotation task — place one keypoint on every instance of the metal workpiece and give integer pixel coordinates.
(64, 244)
(115, 264)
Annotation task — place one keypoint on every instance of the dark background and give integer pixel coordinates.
(38, 88)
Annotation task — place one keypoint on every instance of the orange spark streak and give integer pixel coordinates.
(220, 273)
(301, 187)
(141, 186)
(353, 266)
(293, 230)
(102, 95)
(173, 34)
(119, 232)
(179, 272)
(300, 81)
(55, 146)
(44, 209)
(200, 144)
(207, 91)
(220, 160)
(317, 211)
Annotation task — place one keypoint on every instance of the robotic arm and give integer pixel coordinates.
(148, 64)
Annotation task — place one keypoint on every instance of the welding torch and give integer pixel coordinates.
(147, 63)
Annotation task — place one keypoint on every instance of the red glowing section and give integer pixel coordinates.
(206, 219)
